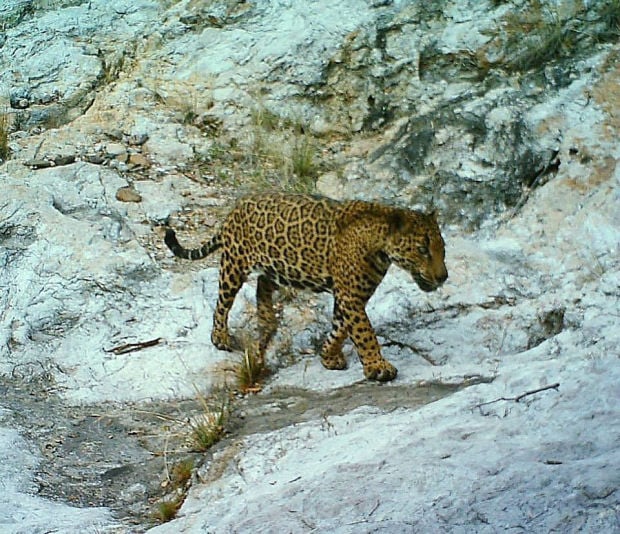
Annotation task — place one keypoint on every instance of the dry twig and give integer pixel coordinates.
(132, 347)
(523, 395)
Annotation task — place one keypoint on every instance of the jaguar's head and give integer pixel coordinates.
(416, 245)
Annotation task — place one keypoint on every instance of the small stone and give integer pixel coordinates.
(208, 122)
(137, 139)
(128, 194)
(138, 160)
(134, 492)
(20, 99)
(115, 149)
(93, 158)
(329, 184)
(117, 135)
(64, 160)
(189, 20)
(38, 163)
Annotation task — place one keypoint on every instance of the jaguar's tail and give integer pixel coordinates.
(191, 254)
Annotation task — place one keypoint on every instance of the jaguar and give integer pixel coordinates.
(316, 243)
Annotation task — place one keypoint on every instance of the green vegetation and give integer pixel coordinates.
(271, 153)
(539, 33)
(534, 36)
(303, 154)
(168, 509)
(182, 472)
(546, 41)
(282, 152)
(609, 19)
(207, 428)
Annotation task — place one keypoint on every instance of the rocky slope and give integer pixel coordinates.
(126, 116)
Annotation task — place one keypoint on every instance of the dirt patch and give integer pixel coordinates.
(125, 456)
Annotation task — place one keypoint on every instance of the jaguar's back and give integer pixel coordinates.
(288, 237)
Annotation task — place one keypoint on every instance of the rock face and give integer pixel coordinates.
(55, 66)
(124, 117)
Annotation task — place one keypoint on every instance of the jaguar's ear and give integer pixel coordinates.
(433, 214)
(396, 221)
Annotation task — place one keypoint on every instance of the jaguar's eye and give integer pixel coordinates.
(423, 251)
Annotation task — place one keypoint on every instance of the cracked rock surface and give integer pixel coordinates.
(126, 117)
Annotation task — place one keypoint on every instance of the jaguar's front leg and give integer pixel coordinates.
(359, 328)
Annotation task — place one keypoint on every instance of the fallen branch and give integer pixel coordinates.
(523, 395)
(534, 391)
(44, 163)
(132, 347)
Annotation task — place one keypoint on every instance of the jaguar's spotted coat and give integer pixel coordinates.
(320, 244)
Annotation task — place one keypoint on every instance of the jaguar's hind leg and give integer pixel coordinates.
(232, 276)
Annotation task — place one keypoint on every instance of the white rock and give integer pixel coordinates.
(82, 273)
(21, 511)
(72, 296)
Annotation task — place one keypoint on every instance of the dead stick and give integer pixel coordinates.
(519, 397)
(534, 391)
(131, 347)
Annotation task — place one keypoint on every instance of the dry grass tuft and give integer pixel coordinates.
(5, 125)
(168, 509)
(303, 153)
(251, 370)
(182, 472)
(274, 153)
(537, 38)
(208, 427)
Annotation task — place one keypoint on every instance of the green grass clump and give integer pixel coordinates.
(208, 427)
(609, 17)
(538, 42)
(168, 509)
(302, 158)
(182, 472)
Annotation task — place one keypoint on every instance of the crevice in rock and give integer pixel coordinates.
(549, 324)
